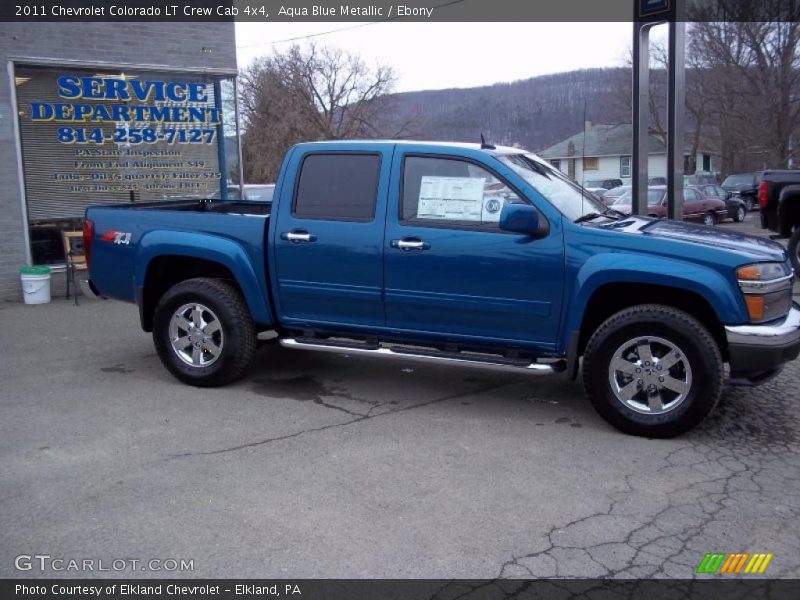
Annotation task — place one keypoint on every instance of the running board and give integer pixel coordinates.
(450, 358)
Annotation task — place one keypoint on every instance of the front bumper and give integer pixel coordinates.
(756, 352)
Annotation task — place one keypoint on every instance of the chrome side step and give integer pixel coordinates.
(451, 358)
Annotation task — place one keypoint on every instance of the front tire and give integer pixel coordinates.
(203, 333)
(741, 213)
(709, 220)
(653, 371)
(794, 250)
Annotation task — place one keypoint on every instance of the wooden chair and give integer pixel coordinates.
(76, 259)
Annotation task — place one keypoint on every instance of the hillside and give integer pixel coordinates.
(534, 113)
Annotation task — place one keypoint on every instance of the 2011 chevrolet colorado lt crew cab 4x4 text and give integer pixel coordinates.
(458, 253)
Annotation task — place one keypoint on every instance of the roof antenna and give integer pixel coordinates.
(485, 146)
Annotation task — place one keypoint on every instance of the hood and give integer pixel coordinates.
(757, 248)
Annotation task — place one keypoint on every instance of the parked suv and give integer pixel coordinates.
(744, 185)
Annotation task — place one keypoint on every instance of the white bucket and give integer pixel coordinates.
(35, 288)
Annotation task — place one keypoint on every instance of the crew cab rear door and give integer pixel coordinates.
(450, 271)
(327, 238)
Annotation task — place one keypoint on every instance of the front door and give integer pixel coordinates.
(327, 241)
(451, 272)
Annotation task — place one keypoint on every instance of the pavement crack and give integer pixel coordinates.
(359, 419)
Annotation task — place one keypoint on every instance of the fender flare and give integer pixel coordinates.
(616, 268)
(213, 248)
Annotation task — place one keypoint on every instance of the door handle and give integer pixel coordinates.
(298, 236)
(410, 244)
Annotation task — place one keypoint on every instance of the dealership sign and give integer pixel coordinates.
(128, 134)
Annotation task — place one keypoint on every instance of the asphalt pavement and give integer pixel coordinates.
(319, 465)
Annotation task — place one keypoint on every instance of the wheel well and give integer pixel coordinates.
(165, 271)
(612, 298)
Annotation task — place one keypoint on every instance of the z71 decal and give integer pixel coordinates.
(117, 237)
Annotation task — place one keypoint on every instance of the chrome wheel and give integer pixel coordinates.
(708, 220)
(740, 212)
(195, 334)
(650, 375)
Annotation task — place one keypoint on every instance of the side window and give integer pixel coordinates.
(690, 196)
(444, 191)
(337, 187)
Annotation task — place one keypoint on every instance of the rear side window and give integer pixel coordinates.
(338, 187)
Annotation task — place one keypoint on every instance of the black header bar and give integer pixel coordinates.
(712, 588)
(336, 11)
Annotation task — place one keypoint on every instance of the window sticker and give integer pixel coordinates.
(451, 198)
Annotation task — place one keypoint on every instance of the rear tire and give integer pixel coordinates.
(203, 332)
(794, 251)
(662, 343)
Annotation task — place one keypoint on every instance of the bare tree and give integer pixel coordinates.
(749, 51)
(309, 93)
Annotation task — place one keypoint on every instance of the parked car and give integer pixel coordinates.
(613, 195)
(606, 184)
(657, 181)
(700, 179)
(412, 250)
(779, 199)
(597, 191)
(737, 208)
(696, 206)
(255, 192)
(744, 185)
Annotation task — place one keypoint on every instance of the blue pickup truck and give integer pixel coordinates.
(454, 253)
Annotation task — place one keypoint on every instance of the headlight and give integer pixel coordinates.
(767, 289)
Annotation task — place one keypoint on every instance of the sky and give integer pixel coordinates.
(445, 55)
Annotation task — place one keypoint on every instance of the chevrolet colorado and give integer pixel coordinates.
(466, 254)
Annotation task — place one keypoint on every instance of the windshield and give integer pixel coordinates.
(566, 195)
(653, 197)
(738, 180)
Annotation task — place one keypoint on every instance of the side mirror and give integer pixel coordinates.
(522, 218)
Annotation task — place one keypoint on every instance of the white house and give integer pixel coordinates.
(604, 152)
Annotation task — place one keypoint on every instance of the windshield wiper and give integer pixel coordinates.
(587, 217)
(608, 213)
(621, 214)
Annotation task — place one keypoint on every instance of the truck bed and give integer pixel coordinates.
(215, 228)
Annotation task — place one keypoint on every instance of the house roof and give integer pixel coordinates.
(604, 140)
